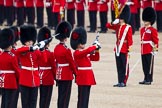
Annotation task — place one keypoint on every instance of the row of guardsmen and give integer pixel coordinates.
(55, 9)
(33, 66)
(19, 67)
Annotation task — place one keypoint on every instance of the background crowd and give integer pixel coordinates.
(34, 11)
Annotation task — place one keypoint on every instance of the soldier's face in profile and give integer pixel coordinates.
(121, 21)
(81, 46)
(29, 43)
(147, 23)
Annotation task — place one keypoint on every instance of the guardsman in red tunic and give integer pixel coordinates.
(65, 65)
(158, 9)
(2, 12)
(83, 56)
(70, 6)
(40, 13)
(20, 12)
(9, 70)
(92, 8)
(48, 5)
(146, 3)
(103, 10)
(80, 8)
(149, 44)
(47, 70)
(30, 11)
(13, 50)
(29, 58)
(123, 45)
(133, 7)
(58, 11)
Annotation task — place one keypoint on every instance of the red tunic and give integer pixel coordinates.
(128, 41)
(47, 68)
(146, 3)
(103, 6)
(39, 3)
(92, 5)
(83, 58)
(9, 71)
(80, 5)
(19, 3)
(148, 35)
(30, 3)
(65, 63)
(8, 3)
(1, 2)
(57, 4)
(133, 8)
(158, 5)
(29, 75)
(70, 5)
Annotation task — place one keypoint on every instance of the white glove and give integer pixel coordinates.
(129, 3)
(69, 0)
(97, 44)
(91, 1)
(77, 1)
(157, 1)
(116, 21)
(48, 4)
(41, 44)
(33, 48)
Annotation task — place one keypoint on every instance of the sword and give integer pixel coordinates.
(127, 69)
(151, 68)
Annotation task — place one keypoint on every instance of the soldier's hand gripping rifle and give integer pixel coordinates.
(43, 43)
(96, 42)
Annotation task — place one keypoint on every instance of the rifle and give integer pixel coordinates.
(46, 41)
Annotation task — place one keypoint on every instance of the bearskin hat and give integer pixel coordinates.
(6, 38)
(149, 15)
(125, 14)
(27, 33)
(64, 28)
(44, 33)
(16, 33)
(78, 36)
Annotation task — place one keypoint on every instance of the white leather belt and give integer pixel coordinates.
(84, 68)
(56, 3)
(90, 1)
(45, 68)
(6, 71)
(69, 1)
(63, 65)
(148, 42)
(29, 68)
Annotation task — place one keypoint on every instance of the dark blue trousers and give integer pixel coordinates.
(121, 66)
(83, 96)
(80, 18)
(9, 98)
(93, 20)
(71, 16)
(29, 96)
(64, 92)
(40, 18)
(147, 65)
(45, 96)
